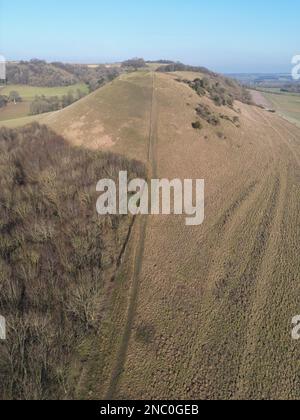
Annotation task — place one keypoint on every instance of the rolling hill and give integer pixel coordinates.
(202, 312)
(43, 74)
(39, 73)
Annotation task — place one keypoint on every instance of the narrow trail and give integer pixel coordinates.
(138, 259)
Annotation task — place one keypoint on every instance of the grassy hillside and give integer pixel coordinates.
(57, 258)
(200, 309)
(202, 312)
(212, 316)
(115, 116)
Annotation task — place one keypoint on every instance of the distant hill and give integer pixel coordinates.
(40, 73)
(280, 82)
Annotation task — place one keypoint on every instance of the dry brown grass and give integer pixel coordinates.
(116, 117)
(215, 302)
(211, 306)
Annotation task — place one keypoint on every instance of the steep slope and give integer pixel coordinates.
(201, 312)
(115, 116)
(222, 90)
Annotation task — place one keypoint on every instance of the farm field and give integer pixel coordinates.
(286, 104)
(28, 93)
(15, 111)
(202, 312)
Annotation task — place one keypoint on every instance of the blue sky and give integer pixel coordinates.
(224, 35)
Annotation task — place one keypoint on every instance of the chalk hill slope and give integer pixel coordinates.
(201, 312)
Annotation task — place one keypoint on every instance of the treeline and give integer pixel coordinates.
(169, 68)
(56, 256)
(40, 73)
(134, 63)
(160, 62)
(291, 88)
(43, 104)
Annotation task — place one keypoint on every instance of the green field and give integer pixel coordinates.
(28, 93)
(286, 104)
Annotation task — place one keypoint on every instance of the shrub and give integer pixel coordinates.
(145, 334)
(197, 125)
(221, 135)
(235, 120)
(14, 96)
(3, 101)
(205, 112)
